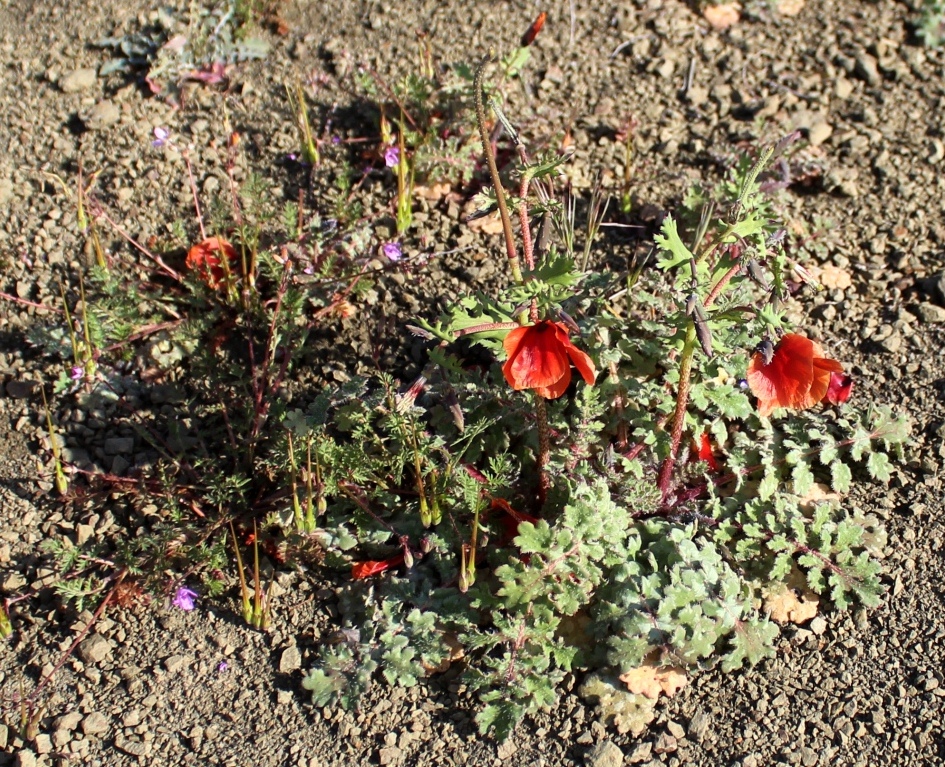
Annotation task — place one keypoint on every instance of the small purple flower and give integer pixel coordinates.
(392, 156)
(336, 140)
(161, 137)
(184, 599)
(393, 251)
(78, 372)
(222, 667)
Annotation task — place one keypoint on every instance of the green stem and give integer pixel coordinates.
(494, 173)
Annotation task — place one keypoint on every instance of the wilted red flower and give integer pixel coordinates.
(839, 389)
(798, 375)
(532, 32)
(705, 452)
(510, 519)
(540, 358)
(204, 259)
(362, 570)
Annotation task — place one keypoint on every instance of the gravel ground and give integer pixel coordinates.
(152, 685)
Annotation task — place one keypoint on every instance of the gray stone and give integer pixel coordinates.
(699, 725)
(866, 69)
(68, 721)
(95, 649)
(94, 724)
(175, 663)
(131, 747)
(641, 753)
(290, 660)
(103, 114)
(390, 755)
(819, 132)
(930, 313)
(119, 445)
(604, 754)
(20, 389)
(78, 80)
(43, 743)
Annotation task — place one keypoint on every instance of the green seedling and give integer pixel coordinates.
(61, 482)
(6, 626)
(307, 143)
(405, 181)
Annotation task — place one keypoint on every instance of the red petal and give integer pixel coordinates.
(840, 389)
(361, 570)
(705, 452)
(532, 32)
(536, 358)
(583, 362)
(797, 377)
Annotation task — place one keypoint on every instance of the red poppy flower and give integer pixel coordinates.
(839, 389)
(362, 570)
(798, 375)
(540, 358)
(204, 259)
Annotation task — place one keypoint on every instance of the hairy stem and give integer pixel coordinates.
(544, 449)
(679, 416)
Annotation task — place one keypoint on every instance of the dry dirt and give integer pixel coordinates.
(161, 687)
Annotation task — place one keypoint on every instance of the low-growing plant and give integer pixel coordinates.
(636, 525)
(510, 518)
(930, 25)
(198, 48)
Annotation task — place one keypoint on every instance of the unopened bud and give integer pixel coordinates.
(756, 274)
(766, 350)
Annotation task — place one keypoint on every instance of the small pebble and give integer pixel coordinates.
(78, 80)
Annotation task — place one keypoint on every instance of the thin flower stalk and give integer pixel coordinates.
(514, 264)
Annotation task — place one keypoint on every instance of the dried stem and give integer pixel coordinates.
(510, 250)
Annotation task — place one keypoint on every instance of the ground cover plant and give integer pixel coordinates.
(498, 511)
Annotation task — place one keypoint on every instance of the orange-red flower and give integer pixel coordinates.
(540, 358)
(204, 259)
(362, 570)
(798, 375)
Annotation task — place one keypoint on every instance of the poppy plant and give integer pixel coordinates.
(204, 259)
(798, 375)
(540, 357)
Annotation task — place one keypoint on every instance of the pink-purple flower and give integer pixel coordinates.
(393, 251)
(184, 599)
(392, 156)
(78, 372)
(161, 137)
